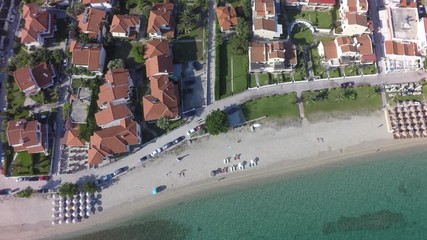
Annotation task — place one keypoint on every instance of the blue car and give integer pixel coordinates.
(107, 177)
(98, 182)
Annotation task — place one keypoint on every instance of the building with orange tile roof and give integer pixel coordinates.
(164, 99)
(117, 89)
(275, 56)
(159, 65)
(346, 50)
(28, 136)
(157, 47)
(31, 80)
(90, 56)
(112, 141)
(125, 26)
(71, 138)
(354, 24)
(161, 21)
(265, 23)
(112, 115)
(39, 25)
(91, 22)
(227, 18)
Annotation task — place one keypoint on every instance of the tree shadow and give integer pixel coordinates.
(86, 178)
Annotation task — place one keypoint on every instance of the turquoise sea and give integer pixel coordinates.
(381, 196)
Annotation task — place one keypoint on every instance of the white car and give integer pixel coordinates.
(155, 152)
(191, 132)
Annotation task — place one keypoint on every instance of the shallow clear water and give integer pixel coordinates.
(378, 197)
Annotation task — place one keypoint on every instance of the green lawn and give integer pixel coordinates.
(301, 35)
(196, 33)
(369, 69)
(122, 50)
(319, 19)
(240, 72)
(264, 79)
(187, 51)
(335, 100)
(324, 38)
(15, 100)
(351, 71)
(318, 69)
(334, 73)
(30, 164)
(283, 106)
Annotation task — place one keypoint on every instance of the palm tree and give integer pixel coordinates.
(308, 99)
(350, 93)
(339, 97)
(374, 91)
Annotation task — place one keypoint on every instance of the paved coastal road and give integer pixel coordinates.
(210, 88)
(132, 160)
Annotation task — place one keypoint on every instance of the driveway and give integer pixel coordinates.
(192, 79)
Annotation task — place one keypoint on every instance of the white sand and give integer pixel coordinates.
(279, 149)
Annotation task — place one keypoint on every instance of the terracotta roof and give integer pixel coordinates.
(122, 23)
(363, 5)
(227, 17)
(112, 113)
(352, 5)
(156, 47)
(161, 15)
(43, 75)
(71, 138)
(158, 64)
(290, 53)
(109, 94)
(22, 135)
(330, 50)
(322, 2)
(36, 21)
(408, 3)
(348, 48)
(276, 49)
(87, 56)
(258, 52)
(357, 19)
(90, 21)
(163, 101)
(113, 140)
(344, 41)
(364, 44)
(266, 24)
(23, 78)
(264, 7)
(117, 77)
(398, 48)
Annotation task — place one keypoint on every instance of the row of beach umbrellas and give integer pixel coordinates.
(72, 210)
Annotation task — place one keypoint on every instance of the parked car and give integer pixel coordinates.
(179, 139)
(187, 90)
(191, 131)
(65, 62)
(5, 191)
(167, 145)
(200, 126)
(44, 178)
(98, 182)
(145, 158)
(12, 18)
(22, 179)
(121, 170)
(197, 66)
(347, 84)
(107, 177)
(43, 190)
(157, 151)
(189, 82)
(33, 179)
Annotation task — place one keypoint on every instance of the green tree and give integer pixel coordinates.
(116, 63)
(26, 193)
(239, 42)
(68, 189)
(89, 187)
(137, 52)
(57, 56)
(246, 6)
(83, 38)
(66, 110)
(217, 122)
(163, 123)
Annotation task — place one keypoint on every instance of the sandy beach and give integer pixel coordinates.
(280, 148)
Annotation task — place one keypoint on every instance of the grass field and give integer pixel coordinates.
(335, 100)
(369, 69)
(283, 106)
(240, 69)
(196, 33)
(187, 51)
(301, 35)
(319, 19)
(30, 164)
(15, 100)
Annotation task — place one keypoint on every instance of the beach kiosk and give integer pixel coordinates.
(154, 191)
